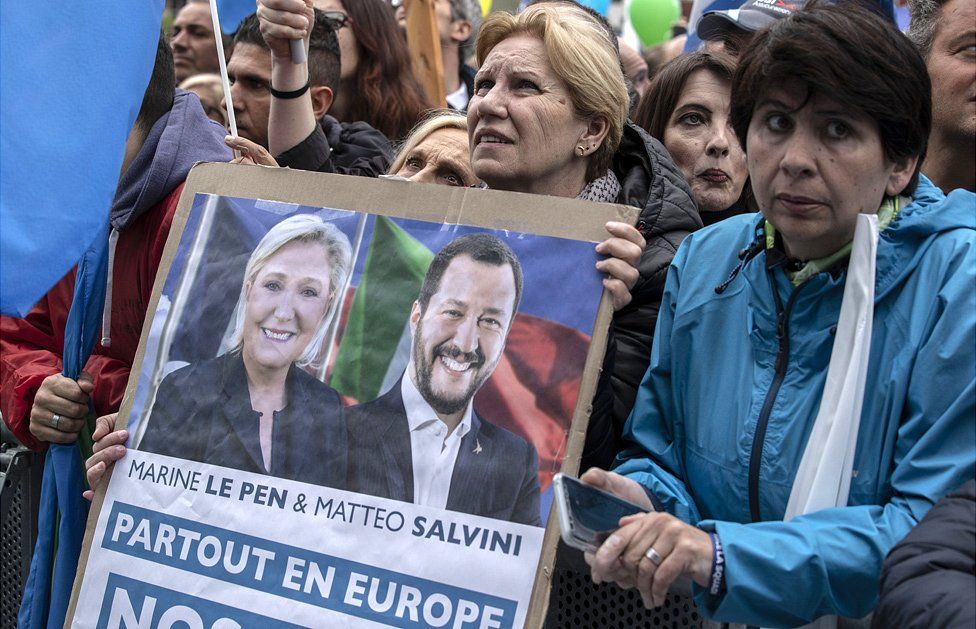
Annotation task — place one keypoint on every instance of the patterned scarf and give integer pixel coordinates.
(602, 189)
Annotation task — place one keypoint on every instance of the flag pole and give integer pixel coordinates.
(334, 324)
(228, 102)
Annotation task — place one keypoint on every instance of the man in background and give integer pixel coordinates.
(349, 148)
(193, 42)
(945, 33)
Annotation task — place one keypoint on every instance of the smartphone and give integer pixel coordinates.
(587, 515)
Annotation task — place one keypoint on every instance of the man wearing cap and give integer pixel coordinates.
(735, 27)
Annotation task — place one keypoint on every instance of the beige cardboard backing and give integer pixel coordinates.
(547, 216)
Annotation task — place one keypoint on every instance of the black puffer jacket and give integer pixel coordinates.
(929, 577)
(346, 148)
(650, 180)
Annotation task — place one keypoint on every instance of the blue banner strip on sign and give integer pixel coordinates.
(347, 587)
(133, 603)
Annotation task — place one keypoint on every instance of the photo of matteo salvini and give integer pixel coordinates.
(422, 442)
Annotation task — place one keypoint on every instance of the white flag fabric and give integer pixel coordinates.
(823, 479)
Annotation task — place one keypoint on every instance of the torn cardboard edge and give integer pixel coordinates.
(489, 209)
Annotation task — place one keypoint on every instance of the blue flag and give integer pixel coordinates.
(231, 12)
(63, 511)
(67, 102)
(74, 73)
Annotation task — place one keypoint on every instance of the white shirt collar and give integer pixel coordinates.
(458, 99)
(420, 413)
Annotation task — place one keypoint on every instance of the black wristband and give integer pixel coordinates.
(292, 94)
(717, 580)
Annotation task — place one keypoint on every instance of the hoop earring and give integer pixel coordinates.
(581, 149)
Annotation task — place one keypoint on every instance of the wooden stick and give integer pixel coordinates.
(424, 42)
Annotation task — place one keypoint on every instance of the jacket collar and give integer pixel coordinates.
(474, 455)
(244, 420)
(472, 467)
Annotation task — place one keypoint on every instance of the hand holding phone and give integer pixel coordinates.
(587, 515)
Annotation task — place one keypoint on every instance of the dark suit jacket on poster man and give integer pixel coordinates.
(495, 474)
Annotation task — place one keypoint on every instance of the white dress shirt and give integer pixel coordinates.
(458, 99)
(432, 449)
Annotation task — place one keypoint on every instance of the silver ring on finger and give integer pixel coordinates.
(654, 557)
(55, 420)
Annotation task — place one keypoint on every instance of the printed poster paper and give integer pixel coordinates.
(343, 418)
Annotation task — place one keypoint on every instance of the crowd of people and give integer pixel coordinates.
(790, 378)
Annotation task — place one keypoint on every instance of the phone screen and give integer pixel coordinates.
(595, 510)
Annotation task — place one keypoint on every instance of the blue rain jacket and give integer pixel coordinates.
(723, 414)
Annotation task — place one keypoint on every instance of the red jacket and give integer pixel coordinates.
(31, 348)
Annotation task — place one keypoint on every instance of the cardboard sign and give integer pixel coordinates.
(347, 406)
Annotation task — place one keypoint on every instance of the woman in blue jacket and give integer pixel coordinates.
(735, 445)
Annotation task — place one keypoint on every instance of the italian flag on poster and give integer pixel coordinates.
(375, 345)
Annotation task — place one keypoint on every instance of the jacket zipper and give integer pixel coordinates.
(782, 359)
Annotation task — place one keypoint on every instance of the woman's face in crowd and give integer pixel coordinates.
(522, 127)
(442, 158)
(815, 165)
(348, 47)
(702, 143)
(285, 305)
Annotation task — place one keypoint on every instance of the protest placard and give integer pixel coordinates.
(347, 407)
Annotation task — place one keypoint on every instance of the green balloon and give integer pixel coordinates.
(653, 19)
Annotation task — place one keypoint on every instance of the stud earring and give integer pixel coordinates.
(581, 149)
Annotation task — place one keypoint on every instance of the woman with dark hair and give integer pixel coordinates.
(377, 84)
(812, 385)
(687, 109)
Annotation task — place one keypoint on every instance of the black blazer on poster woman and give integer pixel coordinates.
(203, 412)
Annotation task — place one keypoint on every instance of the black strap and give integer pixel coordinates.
(292, 94)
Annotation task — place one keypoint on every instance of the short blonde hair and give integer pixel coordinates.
(582, 55)
(434, 120)
(205, 79)
(210, 85)
(338, 252)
